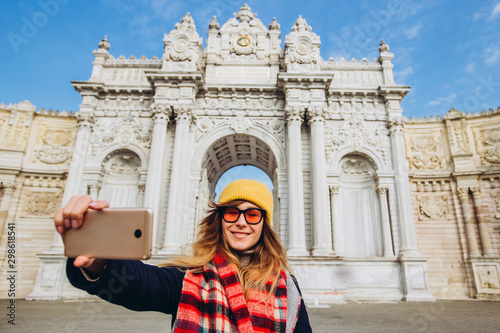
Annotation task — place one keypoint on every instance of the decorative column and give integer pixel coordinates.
(140, 196)
(178, 181)
(94, 190)
(402, 186)
(81, 150)
(386, 224)
(338, 240)
(296, 225)
(488, 251)
(322, 245)
(156, 167)
(8, 191)
(463, 194)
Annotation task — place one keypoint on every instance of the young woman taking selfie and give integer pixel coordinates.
(237, 280)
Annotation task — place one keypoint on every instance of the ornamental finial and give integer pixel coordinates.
(383, 47)
(274, 25)
(245, 14)
(104, 44)
(214, 25)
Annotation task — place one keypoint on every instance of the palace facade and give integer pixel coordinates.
(370, 205)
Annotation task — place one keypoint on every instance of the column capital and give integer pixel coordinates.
(316, 114)
(463, 193)
(161, 112)
(94, 187)
(476, 192)
(141, 187)
(395, 125)
(85, 119)
(183, 112)
(382, 191)
(334, 190)
(294, 114)
(8, 187)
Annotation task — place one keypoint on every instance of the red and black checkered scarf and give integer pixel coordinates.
(213, 301)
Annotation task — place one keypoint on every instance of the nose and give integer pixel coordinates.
(241, 222)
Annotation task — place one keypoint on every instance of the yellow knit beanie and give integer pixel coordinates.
(249, 190)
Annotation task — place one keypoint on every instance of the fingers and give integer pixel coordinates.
(83, 261)
(71, 215)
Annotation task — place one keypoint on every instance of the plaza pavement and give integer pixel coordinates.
(441, 316)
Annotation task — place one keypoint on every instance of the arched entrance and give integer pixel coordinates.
(229, 152)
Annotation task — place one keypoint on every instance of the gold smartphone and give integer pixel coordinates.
(112, 233)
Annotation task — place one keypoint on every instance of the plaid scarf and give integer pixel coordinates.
(213, 301)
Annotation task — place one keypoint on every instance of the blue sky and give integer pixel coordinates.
(447, 51)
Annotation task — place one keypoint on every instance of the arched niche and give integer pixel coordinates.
(121, 176)
(359, 207)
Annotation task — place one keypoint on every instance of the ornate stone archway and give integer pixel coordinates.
(245, 100)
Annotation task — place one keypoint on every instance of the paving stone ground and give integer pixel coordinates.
(441, 316)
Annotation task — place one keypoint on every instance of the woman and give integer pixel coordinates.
(236, 281)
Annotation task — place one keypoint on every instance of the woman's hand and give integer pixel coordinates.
(71, 216)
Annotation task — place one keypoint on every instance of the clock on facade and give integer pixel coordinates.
(243, 41)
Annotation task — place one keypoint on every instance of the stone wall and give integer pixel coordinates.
(454, 173)
(35, 148)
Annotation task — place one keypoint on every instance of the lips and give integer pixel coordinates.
(239, 234)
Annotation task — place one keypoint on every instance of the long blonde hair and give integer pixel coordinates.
(268, 259)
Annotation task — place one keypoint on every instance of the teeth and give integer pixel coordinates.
(239, 234)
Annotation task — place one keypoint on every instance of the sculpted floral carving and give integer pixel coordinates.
(42, 203)
(490, 140)
(123, 163)
(433, 207)
(424, 152)
(356, 166)
(240, 124)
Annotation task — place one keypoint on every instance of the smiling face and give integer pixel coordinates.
(240, 235)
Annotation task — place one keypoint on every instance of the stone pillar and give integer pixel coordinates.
(488, 251)
(178, 181)
(338, 240)
(385, 222)
(75, 174)
(8, 191)
(463, 194)
(140, 195)
(156, 167)
(80, 152)
(322, 244)
(296, 223)
(402, 188)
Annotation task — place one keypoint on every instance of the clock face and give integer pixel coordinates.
(243, 41)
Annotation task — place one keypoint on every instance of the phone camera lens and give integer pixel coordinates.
(138, 233)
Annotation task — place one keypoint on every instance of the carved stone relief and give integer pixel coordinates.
(488, 276)
(425, 152)
(490, 146)
(123, 130)
(250, 102)
(358, 133)
(40, 203)
(54, 146)
(495, 197)
(459, 141)
(240, 124)
(17, 131)
(433, 207)
(356, 166)
(123, 163)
